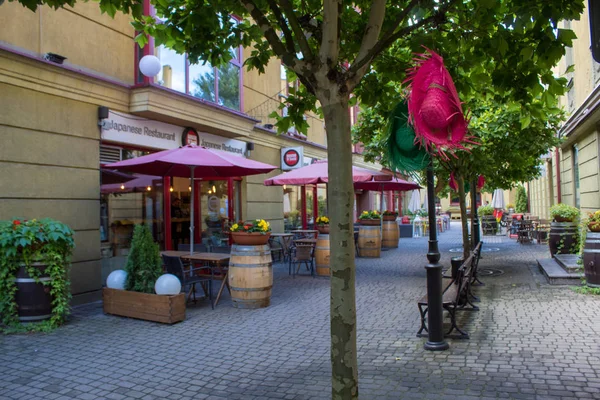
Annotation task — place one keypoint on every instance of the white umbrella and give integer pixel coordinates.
(286, 203)
(498, 199)
(425, 206)
(415, 201)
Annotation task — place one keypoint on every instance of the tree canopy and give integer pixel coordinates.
(501, 49)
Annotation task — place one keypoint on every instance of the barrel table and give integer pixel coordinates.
(250, 276)
(591, 259)
(322, 255)
(34, 302)
(563, 238)
(390, 234)
(369, 241)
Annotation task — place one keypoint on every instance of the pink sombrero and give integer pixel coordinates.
(433, 104)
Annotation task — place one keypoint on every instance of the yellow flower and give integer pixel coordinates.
(234, 227)
(365, 212)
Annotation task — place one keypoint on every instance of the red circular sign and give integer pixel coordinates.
(190, 136)
(291, 158)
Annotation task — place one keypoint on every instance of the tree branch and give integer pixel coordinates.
(288, 8)
(385, 42)
(289, 38)
(267, 29)
(372, 31)
(329, 52)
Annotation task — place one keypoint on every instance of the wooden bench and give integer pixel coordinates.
(456, 295)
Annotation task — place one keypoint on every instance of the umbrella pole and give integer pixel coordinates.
(192, 168)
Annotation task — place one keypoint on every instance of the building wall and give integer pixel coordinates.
(49, 164)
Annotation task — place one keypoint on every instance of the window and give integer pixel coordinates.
(576, 176)
(220, 85)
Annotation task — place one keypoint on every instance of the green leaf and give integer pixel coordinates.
(525, 121)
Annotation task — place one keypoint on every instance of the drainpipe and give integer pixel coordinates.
(558, 183)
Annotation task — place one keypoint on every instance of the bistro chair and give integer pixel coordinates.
(524, 233)
(174, 265)
(198, 247)
(276, 249)
(542, 230)
(302, 254)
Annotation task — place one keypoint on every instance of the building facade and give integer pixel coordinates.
(571, 172)
(62, 119)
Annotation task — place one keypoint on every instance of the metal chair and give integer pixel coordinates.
(199, 247)
(302, 254)
(174, 265)
(220, 249)
(276, 249)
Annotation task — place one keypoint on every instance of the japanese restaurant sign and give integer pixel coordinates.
(136, 131)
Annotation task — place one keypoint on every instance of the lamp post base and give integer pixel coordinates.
(436, 346)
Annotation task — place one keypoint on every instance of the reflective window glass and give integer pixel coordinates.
(172, 73)
(202, 82)
(229, 86)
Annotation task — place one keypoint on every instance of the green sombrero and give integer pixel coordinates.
(404, 153)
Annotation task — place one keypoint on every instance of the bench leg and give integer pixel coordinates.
(452, 312)
(423, 313)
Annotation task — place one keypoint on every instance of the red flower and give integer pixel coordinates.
(16, 222)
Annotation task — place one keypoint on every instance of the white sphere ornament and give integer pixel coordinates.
(150, 66)
(167, 284)
(116, 279)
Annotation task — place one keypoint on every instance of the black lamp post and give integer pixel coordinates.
(475, 230)
(435, 312)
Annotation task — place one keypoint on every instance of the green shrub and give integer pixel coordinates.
(144, 263)
(564, 212)
(485, 210)
(521, 200)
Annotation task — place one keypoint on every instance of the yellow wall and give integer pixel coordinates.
(82, 34)
(49, 164)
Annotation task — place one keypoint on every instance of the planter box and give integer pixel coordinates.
(150, 307)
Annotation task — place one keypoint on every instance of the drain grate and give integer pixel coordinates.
(489, 272)
(483, 250)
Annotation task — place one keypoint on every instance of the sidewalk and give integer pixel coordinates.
(529, 340)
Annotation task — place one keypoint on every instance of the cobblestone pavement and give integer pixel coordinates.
(528, 341)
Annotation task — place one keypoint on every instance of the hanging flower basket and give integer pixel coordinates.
(250, 238)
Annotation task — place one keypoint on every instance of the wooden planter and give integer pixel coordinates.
(563, 238)
(591, 259)
(370, 222)
(324, 229)
(389, 217)
(150, 307)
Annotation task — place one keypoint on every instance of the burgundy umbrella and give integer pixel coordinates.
(317, 173)
(109, 177)
(396, 184)
(137, 182)
(192, 161)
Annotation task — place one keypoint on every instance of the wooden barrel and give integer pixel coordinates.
(591, 259)
(369, 241)
(322, 255)
(563, 238)
(34, 302)
(390, 234)
(250, 276)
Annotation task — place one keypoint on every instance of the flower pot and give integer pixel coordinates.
(389, 217)
(370, 222)
(561, 219)
(34, 301)
(250, 238)
(563, 238)
(594, 226)
(591, 259)
(323, 229)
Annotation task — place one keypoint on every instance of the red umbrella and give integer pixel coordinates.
(109, 177)
(192, 161)
(394, 184)
(317, 173)
(136, 182)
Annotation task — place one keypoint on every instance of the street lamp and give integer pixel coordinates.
(435, 312)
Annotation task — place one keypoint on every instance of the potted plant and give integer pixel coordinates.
(389, 215)
(323, 224)
(37, 250)
(564, 230)
(370, 218)
(564, 213)
(489, 224)
(593, 221)
(251, 233)
(510, 207)
(138, 300)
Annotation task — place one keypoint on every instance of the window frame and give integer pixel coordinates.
(149, 49)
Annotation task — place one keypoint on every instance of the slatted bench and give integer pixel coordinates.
(456, 295)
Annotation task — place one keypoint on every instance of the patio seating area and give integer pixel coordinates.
(283, 350)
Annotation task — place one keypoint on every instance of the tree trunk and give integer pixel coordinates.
(344, 367)
(463, 216)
